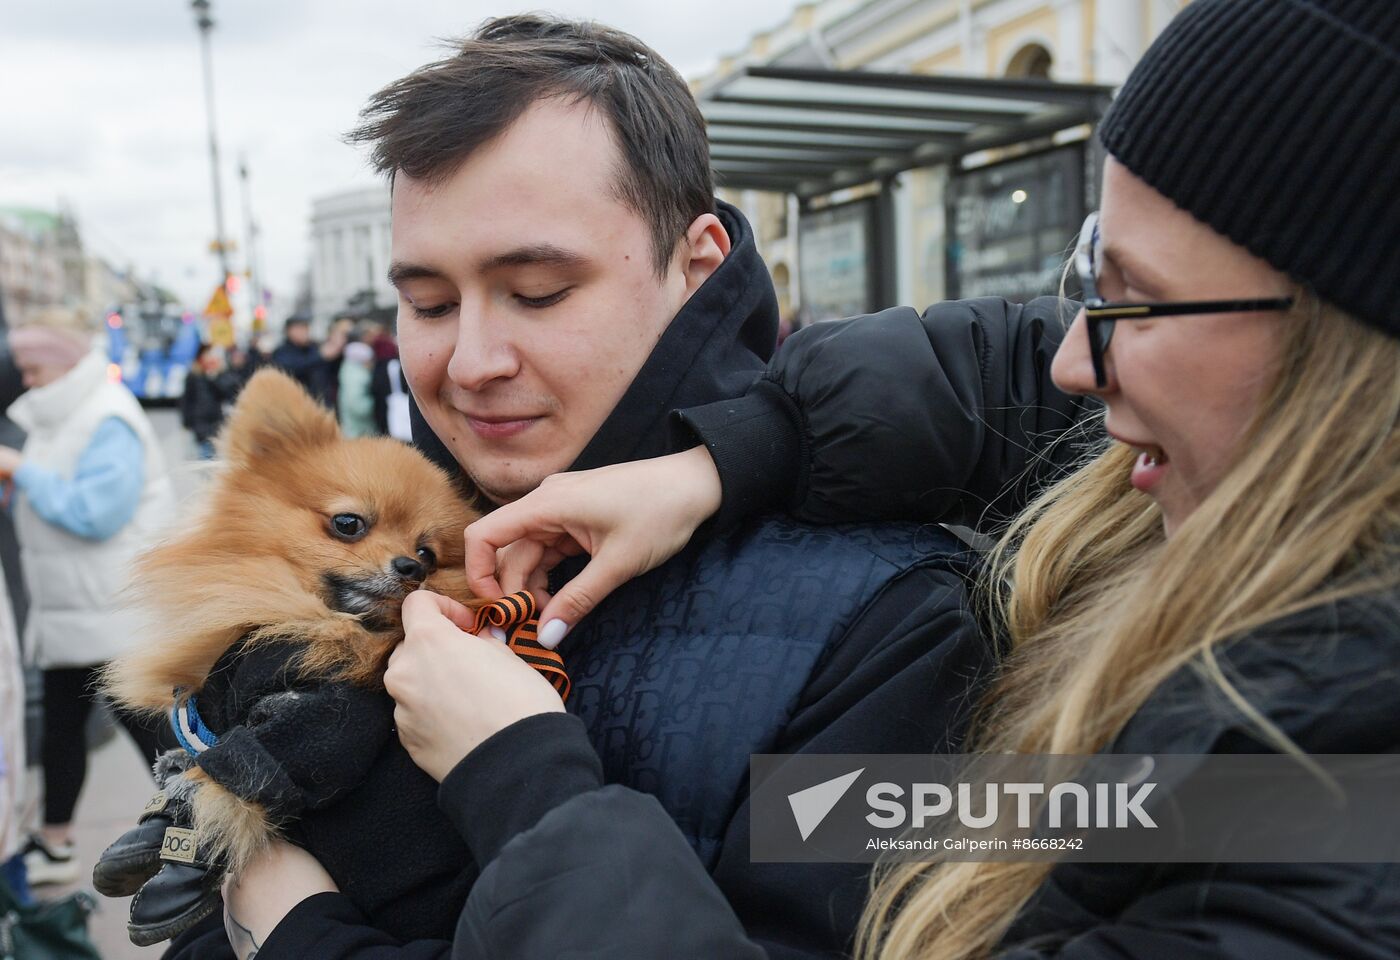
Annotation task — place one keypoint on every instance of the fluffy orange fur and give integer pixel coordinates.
(251, 562)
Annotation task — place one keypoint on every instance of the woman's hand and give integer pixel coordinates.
(269, 887)
(629, 518)
(10, 459)
(453, 690)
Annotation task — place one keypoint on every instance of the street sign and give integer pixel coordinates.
(219, 305)
(221, 332)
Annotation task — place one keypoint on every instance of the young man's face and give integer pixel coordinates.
(528, 295)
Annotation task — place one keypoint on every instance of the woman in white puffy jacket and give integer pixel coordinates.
(90, 491)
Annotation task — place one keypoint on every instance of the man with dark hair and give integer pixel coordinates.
(566, 280)
(497, 227)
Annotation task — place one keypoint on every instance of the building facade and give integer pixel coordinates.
(995, 221)
(350, 255)
(41, 263)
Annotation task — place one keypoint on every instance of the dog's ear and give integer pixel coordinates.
(275, 416)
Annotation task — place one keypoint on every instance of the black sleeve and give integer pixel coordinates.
(206, 940)
(570, 866)
(301, 748)
(948, 416)
(327, 926)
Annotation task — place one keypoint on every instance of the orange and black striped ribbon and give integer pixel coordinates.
(518, 615)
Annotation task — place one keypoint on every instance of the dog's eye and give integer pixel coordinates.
(349, 526)
(427, 556)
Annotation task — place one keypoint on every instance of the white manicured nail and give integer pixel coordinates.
(553, 632)
(499, 634)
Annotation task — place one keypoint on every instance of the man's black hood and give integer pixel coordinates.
(714, 348)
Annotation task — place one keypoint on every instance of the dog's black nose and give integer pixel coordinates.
(408, 568)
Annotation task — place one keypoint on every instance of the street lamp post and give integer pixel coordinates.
(251, 226)
(206, 24)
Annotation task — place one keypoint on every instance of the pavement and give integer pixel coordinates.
(119, 781)
(118, 786)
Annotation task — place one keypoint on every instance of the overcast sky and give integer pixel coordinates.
(102, 108)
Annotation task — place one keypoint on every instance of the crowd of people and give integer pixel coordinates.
(355, 372)
(1190, 479)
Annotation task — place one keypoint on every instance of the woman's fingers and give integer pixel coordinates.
(578, 598)
(629, 518)
(523, 520)
(516, 563)
(525, 564)
(422, 608)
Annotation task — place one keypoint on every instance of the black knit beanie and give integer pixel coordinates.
(1277, 122)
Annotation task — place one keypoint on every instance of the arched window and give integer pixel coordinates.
(1032, 60)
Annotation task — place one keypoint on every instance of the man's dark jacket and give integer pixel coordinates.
(769, 637)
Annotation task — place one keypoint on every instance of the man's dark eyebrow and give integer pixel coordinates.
(400, 272)
(536, 254)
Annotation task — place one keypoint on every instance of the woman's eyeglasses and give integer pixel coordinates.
(1102, 315)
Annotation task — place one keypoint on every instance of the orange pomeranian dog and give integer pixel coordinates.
(272, 617)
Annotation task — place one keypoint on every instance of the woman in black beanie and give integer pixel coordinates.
(1220, 573)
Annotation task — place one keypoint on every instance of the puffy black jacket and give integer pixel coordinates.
(950, 416)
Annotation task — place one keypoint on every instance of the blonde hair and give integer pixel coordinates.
(1104, 607)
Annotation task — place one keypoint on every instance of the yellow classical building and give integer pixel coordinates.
(903, 151)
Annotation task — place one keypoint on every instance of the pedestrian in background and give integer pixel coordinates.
(207, 388)
(243, 362)
(90, 492)
(302, 357)
(354, 401)
(381, 383)
(341, 333)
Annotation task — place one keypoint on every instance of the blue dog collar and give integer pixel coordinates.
(189, 729)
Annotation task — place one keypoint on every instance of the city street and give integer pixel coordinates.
(822, 381)
(118, 783)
